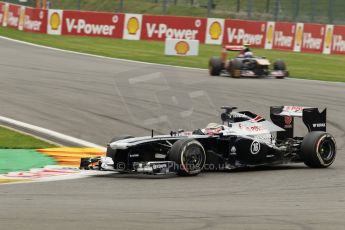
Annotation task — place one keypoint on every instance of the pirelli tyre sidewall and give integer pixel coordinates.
(236, 66)
(318, 149)
(189, 156)
(215, 66)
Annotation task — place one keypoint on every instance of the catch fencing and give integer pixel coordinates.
(288, 36)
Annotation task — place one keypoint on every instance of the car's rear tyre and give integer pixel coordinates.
(189, 156)
(236, 66)
(318, 149)
(111, 152)
(215, 66)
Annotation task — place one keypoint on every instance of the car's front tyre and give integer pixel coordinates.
(189, 156)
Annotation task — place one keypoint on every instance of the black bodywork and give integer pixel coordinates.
(200, 151)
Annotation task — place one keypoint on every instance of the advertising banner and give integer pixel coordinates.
(214, 31)
(239, 32)
(3, 13)
(181, 47)
(269, 35)
(92, 24)
(327, 45)
(284, 36)
(338, 41)
(54, 23)
(15, 17)
(313, 38)
(132, 26)
(161, 27)
(298, 37)
(35, 20)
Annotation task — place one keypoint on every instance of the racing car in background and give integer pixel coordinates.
(245, 64)
(243, 139)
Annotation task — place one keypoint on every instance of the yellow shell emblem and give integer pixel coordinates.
(270, 34)
(182, 48)
(299, 35)
(55, 21)
(133, 25)
(215, 30)
(328, 38)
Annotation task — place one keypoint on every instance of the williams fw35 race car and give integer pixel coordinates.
(245, 65)
(243, 139)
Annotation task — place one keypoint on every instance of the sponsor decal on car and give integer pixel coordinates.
(255, 147)
(319, 125)
(288, 121)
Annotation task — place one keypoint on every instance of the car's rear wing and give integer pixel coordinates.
(283, 116)
(234, 48)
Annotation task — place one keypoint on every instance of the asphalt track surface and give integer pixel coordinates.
(95, 99)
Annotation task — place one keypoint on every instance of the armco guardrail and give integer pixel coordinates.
(297, 37)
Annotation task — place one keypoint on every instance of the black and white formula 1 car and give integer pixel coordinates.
(244, 139)
(245, 65)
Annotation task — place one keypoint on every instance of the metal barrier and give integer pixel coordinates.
(313, 11)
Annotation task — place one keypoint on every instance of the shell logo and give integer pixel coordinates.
(133, 25)
(182, 47)
(22, 17)
(270, 34)
(55, 21)
(5, 17)
(328, 38)
(299, 35)
(215, 30)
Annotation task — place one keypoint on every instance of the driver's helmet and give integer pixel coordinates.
(248, 54)
(213, 128)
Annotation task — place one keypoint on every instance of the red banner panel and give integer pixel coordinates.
(92, 24)
(239, 32)
(35, 20)
(313, 38)
(2, 12)
(162, 27)
(338, 43)
(14, 12)
(284, 36)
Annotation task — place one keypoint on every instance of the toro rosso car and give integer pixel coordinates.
(245, 65)
(243, 139)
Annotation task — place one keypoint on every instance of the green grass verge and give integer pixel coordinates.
(301, 65)
(10, 139)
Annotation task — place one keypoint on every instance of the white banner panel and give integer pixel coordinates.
(214, 31)
(298, 37)
(55, 20)
(327, 45)
(132, 27)
(5, 14)
(269, 35)
(181, 47)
